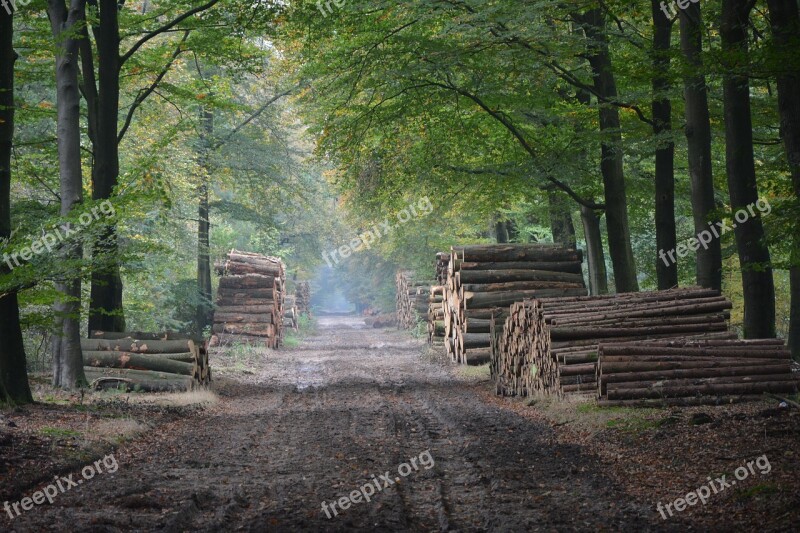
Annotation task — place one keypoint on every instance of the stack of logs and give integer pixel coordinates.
(685, 372)
(250, 300)
(290, 313)
(302, 298)
(550, 345)
(436, 315)
(484, 280)
(147, 362)
(411, 299)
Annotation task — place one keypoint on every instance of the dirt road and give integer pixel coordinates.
(318, 422)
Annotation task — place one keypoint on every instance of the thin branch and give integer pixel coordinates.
(145, 93)
(166, 27)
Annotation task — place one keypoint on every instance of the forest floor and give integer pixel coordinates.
(349, 408)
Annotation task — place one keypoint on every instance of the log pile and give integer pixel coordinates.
(484, 280)
(149, 362)
(250, 300)
(290, 313)
(411, 299)
(302, 298)
(435, 315)
(686, 372)
(550, 345)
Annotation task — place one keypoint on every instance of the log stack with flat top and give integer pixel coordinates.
(483, 281)
(692, 372)
(250, 300)
(149, 362)
(550, 345)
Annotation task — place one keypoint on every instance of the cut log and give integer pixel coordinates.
(137, 362)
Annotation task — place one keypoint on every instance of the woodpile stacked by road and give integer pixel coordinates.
(692, 372)
(250, 300)
(302, 298)
(290, 313)
(484, 280)
(436, 316)
(148, 362)
(411, 299)
(550, 345)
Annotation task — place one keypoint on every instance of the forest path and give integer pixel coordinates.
(316, 423)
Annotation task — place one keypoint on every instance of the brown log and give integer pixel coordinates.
(240, 318)
(129, 344)
(505, 276)
(136, 362)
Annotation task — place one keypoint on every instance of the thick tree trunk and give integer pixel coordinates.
(666, 239)
(616, 201)
(561, 225)
(598, 280)
(14, 388)
(66, 349)
(205, 308)
(698, 137)
(105, 308)
(785, 21)
(754, 258)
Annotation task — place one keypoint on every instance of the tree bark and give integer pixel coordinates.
(205, 306)
(14, 387)
(616, 201)
(785, 21)
(698, 137)
(561, 225)
(754, 258)
(598, 279)
(666, 239)
(500, 229)
(105, 308)
(66, 348)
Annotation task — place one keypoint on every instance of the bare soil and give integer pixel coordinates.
(301, 426)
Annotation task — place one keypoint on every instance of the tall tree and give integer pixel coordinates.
(204, 306)
(616, 199)
(785, 21)
(66, 22)
(698, 137)
(754, 258)
(666, 239)
(14, 386)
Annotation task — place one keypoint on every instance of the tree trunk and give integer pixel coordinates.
(785, 21)
(698, 137)
(500, 229)
(561, 225)
(598, 280)
(105, 308)
(616, 201)
(667, 273)
(205, 307)
(754, 258)
(67, 357)
(14, 388)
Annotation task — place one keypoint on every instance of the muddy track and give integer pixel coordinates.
(316, 423)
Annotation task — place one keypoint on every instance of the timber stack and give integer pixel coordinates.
(550, 345)
(250, 300)
(290, 314)
(411, 299)
(435, 315)
(147, 362)
(302, 298)
(484, 280)
(692, 372)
